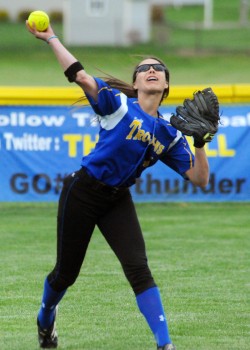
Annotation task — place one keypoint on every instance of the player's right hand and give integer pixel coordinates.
(40, 35)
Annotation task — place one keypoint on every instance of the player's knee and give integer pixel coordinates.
(61, 282)
(139, 277)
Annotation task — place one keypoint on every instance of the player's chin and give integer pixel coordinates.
(156, 89)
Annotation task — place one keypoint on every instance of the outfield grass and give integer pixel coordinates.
(199, 254)
(193, 55)
(30, 62)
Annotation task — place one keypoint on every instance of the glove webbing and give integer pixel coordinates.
(201, 103)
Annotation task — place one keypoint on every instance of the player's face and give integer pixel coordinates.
(150, 76)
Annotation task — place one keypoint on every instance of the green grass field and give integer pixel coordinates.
(199, 255)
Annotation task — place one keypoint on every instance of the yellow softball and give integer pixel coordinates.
(41, 20)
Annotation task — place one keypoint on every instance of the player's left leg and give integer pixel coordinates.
(122, 231)
(74, 229)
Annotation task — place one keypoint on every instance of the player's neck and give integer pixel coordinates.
(150, 103)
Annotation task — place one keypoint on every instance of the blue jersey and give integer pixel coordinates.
(131, 140)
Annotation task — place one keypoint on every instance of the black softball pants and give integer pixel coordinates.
(85, 203)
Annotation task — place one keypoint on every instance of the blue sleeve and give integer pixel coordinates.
(108, 99)
(179, 157)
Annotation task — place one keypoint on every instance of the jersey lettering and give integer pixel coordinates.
(137, 133)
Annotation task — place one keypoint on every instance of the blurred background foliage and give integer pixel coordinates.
(194, 55)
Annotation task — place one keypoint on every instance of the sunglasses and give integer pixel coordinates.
(158, 67)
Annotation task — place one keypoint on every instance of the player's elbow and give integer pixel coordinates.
(82, 78)
(201, 181)
(198, 178)
(87, 83)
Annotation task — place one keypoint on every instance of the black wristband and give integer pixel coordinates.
(72, 70)
(198, 143)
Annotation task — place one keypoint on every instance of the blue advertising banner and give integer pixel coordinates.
(40, 145)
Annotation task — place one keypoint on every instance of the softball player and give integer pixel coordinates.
(133, 136)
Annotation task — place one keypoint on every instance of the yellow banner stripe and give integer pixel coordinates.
(30, 95)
